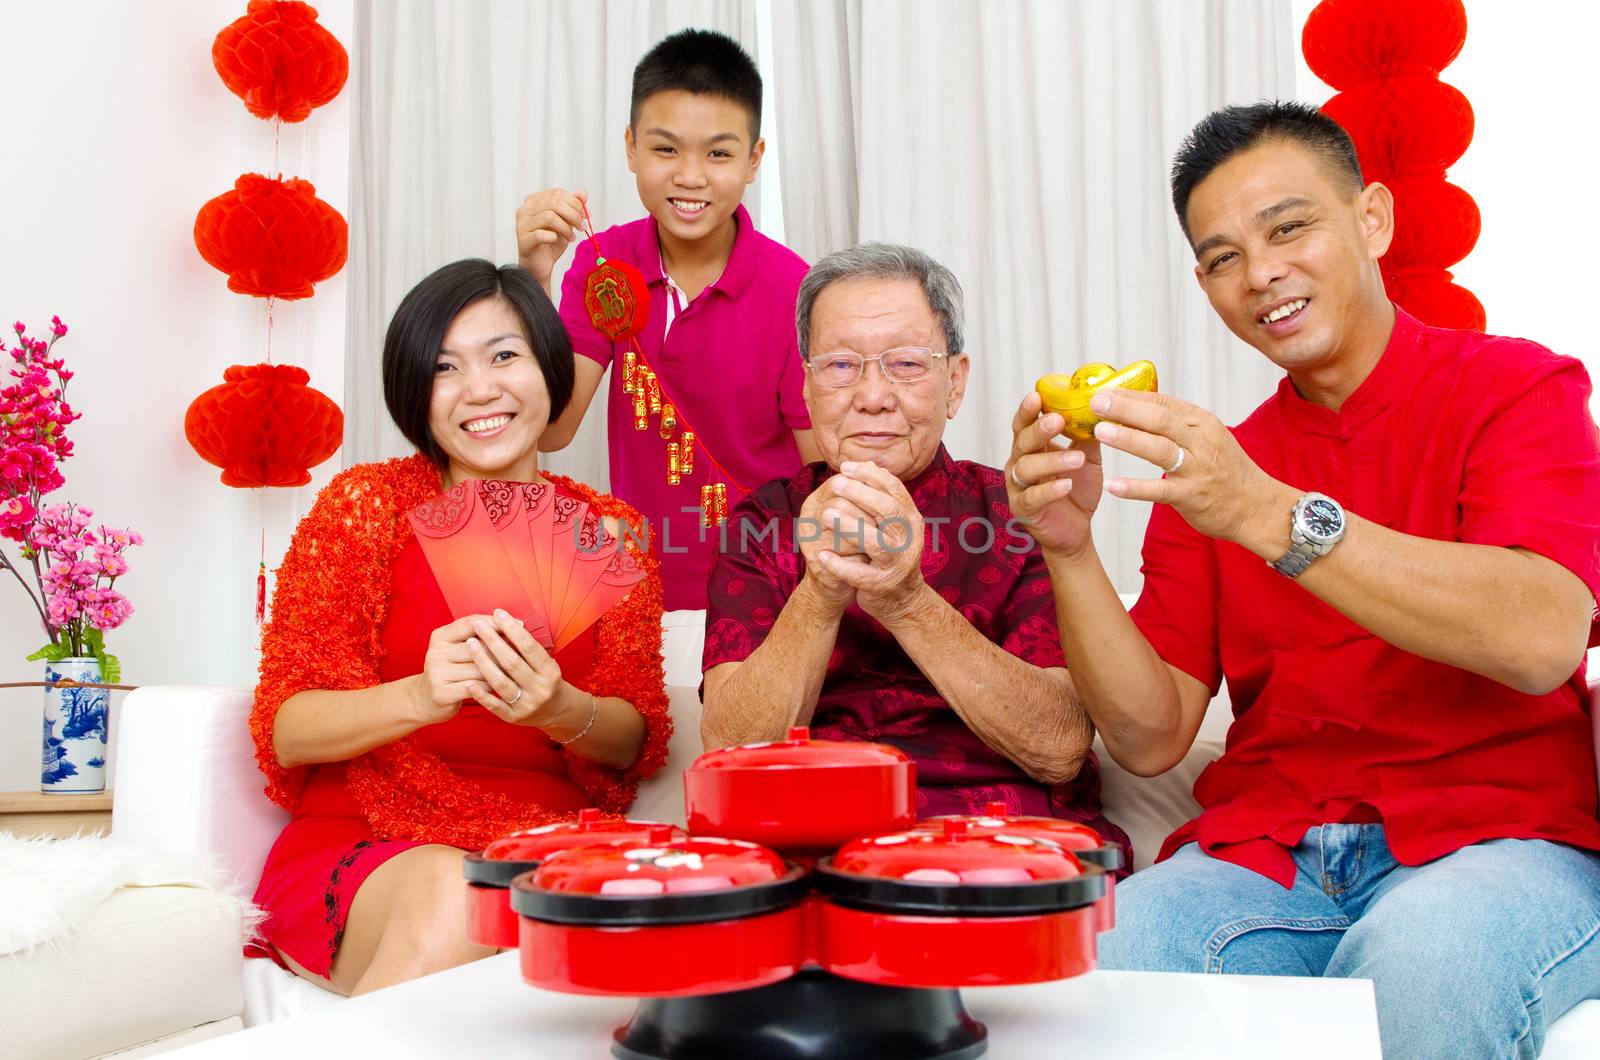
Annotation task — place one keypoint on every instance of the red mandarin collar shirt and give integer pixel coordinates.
(1455, 436)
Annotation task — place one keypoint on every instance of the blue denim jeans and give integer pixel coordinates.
(1471, 956)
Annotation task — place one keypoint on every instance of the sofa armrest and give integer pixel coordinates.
(187, 780)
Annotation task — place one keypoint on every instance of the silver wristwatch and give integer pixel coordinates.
(1316, 524)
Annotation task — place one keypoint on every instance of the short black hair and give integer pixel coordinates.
(1233, 130)
(705, 63)
(416, 334)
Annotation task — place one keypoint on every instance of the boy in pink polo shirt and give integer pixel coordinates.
(721, 333)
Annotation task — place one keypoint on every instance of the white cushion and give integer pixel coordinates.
(149, 962)
(274, 993)
(187, 778)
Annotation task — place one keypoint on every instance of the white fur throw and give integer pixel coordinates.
(48, 887)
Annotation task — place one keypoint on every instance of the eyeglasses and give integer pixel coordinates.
(904, 364)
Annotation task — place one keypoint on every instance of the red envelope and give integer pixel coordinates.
(566, 518)
(507, 504)
(457, 533)
(604, 569)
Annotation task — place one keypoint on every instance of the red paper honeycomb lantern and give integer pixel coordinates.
(264, 426)
(1347, 42)
(279, 60)
(273, 237)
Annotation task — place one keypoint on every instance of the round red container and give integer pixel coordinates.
(953, 908)
(800, 795)
(695, 916)
(1090, 847)
(490, 919)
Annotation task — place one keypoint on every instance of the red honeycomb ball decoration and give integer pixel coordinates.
(264, 426)
(1346, 42)
(273, 237)
(279, 60)
(1405, 124)
(1428, 294)
(1435, 223)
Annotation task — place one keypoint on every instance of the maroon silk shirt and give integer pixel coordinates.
(974, 557)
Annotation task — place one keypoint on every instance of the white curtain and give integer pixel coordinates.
(462, 109)
(1026, 145)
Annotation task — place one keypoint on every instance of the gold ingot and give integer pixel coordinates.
(669, 419)
(687, 461)
(1068, 396)
(630, 371)
(672, 464)
(641, 422)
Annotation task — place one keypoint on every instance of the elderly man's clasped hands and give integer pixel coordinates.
(861, 535)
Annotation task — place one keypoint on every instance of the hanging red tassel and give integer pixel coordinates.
(261, 593)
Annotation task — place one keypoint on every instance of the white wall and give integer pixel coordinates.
(117, 129)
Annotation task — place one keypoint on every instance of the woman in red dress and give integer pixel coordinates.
(399, 736)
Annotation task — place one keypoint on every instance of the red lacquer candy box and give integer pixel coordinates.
(953, 908)
(490, 919)
(690, 916)
(800, 795)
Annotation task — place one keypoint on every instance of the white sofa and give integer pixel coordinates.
(187, 781)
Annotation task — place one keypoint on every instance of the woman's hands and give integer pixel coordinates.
(493, 660)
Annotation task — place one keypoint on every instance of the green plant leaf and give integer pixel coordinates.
(95, 641)
(110, 669)
(50, 653)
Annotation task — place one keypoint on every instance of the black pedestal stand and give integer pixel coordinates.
(809, 1016)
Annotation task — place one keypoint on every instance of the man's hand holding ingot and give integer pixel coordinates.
(891, 578)
(814, 533)
(1052, 489)
(1210, 479)
(520, 680)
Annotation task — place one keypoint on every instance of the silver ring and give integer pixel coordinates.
(1178, 463)
(1021, 485)
(513, 700)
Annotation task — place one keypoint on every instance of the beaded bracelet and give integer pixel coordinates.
(594, 712)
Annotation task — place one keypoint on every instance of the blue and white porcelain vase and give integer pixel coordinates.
(75, 728)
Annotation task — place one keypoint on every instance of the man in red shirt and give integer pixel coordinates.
(1393, 563)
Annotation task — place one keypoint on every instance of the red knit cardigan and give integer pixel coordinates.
(328, 613)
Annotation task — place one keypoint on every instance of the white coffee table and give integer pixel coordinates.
(484, 1010)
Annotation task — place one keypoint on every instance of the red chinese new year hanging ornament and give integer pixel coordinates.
(265, 425)
(617, 299)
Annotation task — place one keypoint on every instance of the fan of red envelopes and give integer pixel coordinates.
(565, 568)
(264, 426)
(279, 61)
(273, 237)
(1408, 127)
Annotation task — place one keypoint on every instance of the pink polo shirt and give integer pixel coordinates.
(730, 363)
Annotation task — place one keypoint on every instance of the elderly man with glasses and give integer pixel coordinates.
(886, 593)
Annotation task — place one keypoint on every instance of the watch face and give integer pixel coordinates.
(1322, 520)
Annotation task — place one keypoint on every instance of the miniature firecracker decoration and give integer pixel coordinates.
(1408, 128)
(630, 372)
(617, 299)
(273, 237)
(264, 426)
(279, 60)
